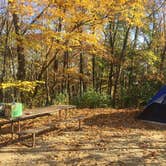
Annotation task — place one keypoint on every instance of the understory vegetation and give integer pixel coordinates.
(92, 99)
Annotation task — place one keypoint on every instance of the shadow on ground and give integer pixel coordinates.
(120, 120)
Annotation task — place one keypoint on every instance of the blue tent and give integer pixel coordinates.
(160, 96)
(156, 108)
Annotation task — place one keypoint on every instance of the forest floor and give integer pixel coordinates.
(108, 137)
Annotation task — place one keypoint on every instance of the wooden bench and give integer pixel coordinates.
(79, 119)
(33, 132)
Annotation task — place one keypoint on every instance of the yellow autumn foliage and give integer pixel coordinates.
(27, 86)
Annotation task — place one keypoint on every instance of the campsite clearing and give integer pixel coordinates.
(108, 137)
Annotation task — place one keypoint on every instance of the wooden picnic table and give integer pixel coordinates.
(35, 113)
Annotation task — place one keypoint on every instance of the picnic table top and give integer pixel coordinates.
(37, 112)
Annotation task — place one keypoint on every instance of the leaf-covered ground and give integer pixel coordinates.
(108, 137)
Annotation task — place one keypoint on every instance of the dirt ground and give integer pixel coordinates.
(108, 137)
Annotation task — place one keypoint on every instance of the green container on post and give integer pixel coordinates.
(16, 110)
(13, 110)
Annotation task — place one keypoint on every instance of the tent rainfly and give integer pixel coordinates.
(155, 110)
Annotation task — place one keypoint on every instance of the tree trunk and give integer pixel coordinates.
(82, 84)
(20, 50)
(132, 59)
(93, 71)
(119, 66)
(113, 29)
(65, 81)
(163, 56)
(4, 60)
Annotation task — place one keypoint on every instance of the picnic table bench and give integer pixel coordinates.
(78, 118)
(32, 132)
(40, 112)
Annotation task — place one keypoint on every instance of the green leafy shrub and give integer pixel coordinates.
(91, 99)
(138, 95)
(61, 98)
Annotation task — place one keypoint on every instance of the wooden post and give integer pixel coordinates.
(66, 113)
(33, 140)
(19, 136)
(79, 124)
(49, 119)
(0, 130)
(19, 127)
(60, 114)
(66, 124)
(12, 129)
